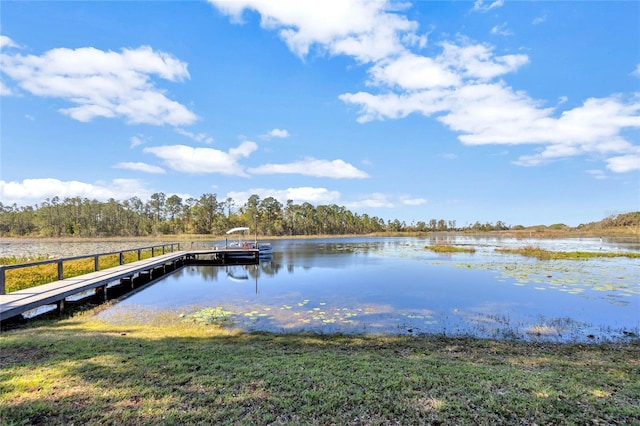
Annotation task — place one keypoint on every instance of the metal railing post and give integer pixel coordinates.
(2, 281)
(96, 263)
(60, 270)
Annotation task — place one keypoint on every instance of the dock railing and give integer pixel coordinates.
(156, 249)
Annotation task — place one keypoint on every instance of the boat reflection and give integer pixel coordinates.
(247, 273)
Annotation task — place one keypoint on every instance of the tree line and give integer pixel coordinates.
(162, 215)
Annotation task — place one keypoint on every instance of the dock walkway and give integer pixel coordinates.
(18, 302)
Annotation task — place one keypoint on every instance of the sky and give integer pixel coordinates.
(522, 112)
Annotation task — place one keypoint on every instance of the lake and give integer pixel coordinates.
(395, 286)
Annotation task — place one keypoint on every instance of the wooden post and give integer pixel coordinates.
(101, 292)
(121, 258)
(96, 263)
(138, 254)
(60, 270)
(60, 305)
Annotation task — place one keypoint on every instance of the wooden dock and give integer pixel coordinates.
(16, 303)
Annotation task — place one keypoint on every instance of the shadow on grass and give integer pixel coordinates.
(83, 371)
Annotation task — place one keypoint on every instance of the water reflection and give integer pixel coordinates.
(393, 285)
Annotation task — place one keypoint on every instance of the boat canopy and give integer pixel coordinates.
(240, 228)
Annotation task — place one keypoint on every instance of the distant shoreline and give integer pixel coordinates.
(537, 233)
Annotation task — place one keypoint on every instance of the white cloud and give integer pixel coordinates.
(411, 71)
(462, 86)
(410, 201)
(103, 83)
(243, 150)
(456, 66)
(501, 30)
(593, 128)
(186, 159)
(366, 30)
(299, 195)
(539, 20)
(198, 137)
(6, 90)
(393, 105)
(336, 169)
(636, 72)
(138, 140)
(414, 40)
(276, 133)
(490, 112)
(481, 6)
(140, 167)
(375, 200)
(624, 163)
(381, 200)
(7, 42)
(477, 61)
(493, 114)
(31, 191)
(597, 174)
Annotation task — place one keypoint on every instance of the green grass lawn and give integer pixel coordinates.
(83, 371)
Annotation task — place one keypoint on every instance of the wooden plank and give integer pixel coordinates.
(15, 303)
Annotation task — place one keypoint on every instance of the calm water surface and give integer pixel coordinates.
(394, 285)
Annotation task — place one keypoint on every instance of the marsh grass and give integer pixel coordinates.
(539, 253)
(449, 248)
(13, 260)
(31, 276)
(84, 371)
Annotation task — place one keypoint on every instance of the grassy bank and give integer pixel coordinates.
(83, 371)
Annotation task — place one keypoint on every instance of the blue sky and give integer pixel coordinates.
(524, 112)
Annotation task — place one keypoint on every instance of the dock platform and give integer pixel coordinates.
(18, 302)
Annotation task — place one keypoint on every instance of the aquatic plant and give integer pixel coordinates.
(539, 253)
(449, 248)
(209, 316)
